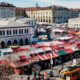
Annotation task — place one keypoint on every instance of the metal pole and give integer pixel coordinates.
(51, 61)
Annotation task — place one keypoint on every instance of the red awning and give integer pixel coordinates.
(24, 63)
(69, 51)
(19, 63)
(47, 56)
(41, 57)
(23, 57)
(78, 45)
(36, 45)
(55, 55)
(3, 62)
(35, 58)
(20, 49)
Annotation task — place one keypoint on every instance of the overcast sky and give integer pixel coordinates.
(28, 3)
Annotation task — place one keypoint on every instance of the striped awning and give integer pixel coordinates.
(46, 48)
(23, 57)
(22, 49)
(69, 51)
(19, 64)
(55, 55)
(41, 57)
(48, 56)
(3, 62)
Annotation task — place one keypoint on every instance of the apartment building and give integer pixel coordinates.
(74, 23)
(20, 12)
(51, 14)
(6, 10)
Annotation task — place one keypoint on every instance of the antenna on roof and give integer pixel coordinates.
(37, 5)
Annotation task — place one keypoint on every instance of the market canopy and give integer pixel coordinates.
(65, 38)
(78, 33)
(58, 30)
(69, 50)
(61, 52)
(6, 50)
(36, 50)
(56, 43)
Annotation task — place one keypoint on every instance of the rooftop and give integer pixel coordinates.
(4, 4)
(14, 22)
(45, 8)
(20, 9)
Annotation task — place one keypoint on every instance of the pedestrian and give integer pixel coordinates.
(45, 75)
(33, 78)
(35, 74)
(28, 78)
(51, 73)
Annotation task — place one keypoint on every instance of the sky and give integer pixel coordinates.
(31, 3)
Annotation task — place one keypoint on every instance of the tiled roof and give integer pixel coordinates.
(37, 8)
(46, 8)
(20, 9)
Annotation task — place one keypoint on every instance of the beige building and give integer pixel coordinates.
(40, 14)
(52, 14)
(74, 23)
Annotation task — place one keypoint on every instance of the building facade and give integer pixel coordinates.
(52, 14)
(20, 12)
(7, 10)
(74, 23)
(40, 14)
(14, 31)
(62, 14)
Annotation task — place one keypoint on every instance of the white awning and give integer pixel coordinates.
(64, 38)
(44, 43)
(56, 43)
(58, 30)
(33, 51)
(6, 50)
(47, 49)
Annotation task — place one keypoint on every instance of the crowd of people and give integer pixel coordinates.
(44, 76)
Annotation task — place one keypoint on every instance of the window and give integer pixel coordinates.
(31, 23)
(8, 32)
(5, 53)
(15, 31)
(26, 30)
(35, 23)
(0, 53)
(0, 32)
(3, 32)
(20, 31)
